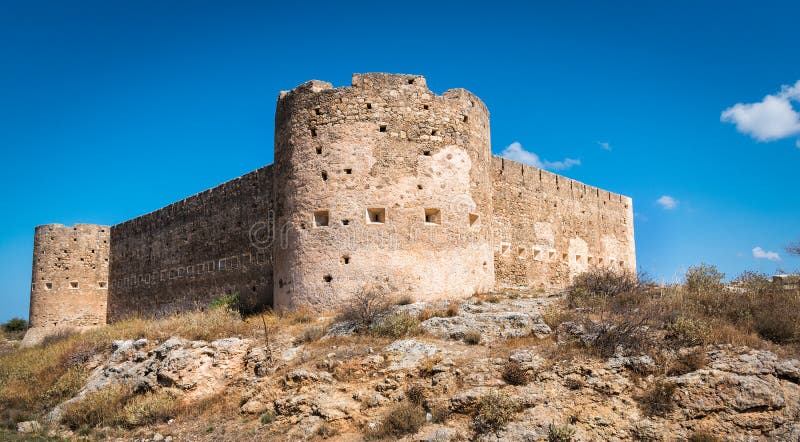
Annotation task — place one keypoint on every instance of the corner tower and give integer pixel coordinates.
(69, 286)
(381, 181)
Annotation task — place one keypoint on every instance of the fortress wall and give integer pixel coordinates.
(548, 228)
(383, 181)
(69, 285)
(191, 252)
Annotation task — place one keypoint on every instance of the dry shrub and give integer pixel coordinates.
(688, 331)
(776, 316)
(427, 364)
(630, 334)
(688, 362)
(515, 374)
(149, 408)
(658, 400)
(453, 309)
(396, 326)
(311, 333)
(472, 337)
(596, 286)
(449, 312)
(494, 411)
(326, 430)
(703, 436)
(559, 433)
(99, 408)
(366, 305)
(404, 418)
(416, 394)
(555, 315)
(405, 300)
(440, 413)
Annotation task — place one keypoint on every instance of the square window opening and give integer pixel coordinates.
(410, 81)
(101, 284)
(321, 218)
(466, 119)
(383, 128)
(376, 215)
(369, 105)
(577, 258)
(564, 257)
(317, 111)
(73, 284)
(504, 248)
(319, 150)
(327, 278)
(435, 132)
(425, 107)
(433, 216)
(313, 132)
(348, 171)
(324, 176)
(345, 259)
(345, 222)
(48, 285)
(473, 219)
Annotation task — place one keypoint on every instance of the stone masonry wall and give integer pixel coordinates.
(549, 228)
(189, 253)
(381, 181)
(69, 283)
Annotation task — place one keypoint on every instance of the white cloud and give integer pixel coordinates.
(770, 119)
(516, 152)
(604, 144)
(759, 253)
(667, 202)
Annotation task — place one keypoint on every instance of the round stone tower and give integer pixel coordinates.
(381, 182)
(69, 287)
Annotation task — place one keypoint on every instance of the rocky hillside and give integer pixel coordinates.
(512, 366)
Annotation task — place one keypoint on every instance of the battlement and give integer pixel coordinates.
(522, 174)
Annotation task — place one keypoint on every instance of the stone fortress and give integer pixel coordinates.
(379, 182)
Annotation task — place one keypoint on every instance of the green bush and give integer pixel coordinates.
(15, 325)
(229, 301)
(704, 278)
(599, 285)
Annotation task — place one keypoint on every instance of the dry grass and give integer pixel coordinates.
(396, 325)
(100, 408)
(450, 311)
(149, 408)
(35, 379)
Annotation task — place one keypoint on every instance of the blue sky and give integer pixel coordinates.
(112, 109)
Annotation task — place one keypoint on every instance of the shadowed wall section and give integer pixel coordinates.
(189, 253)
